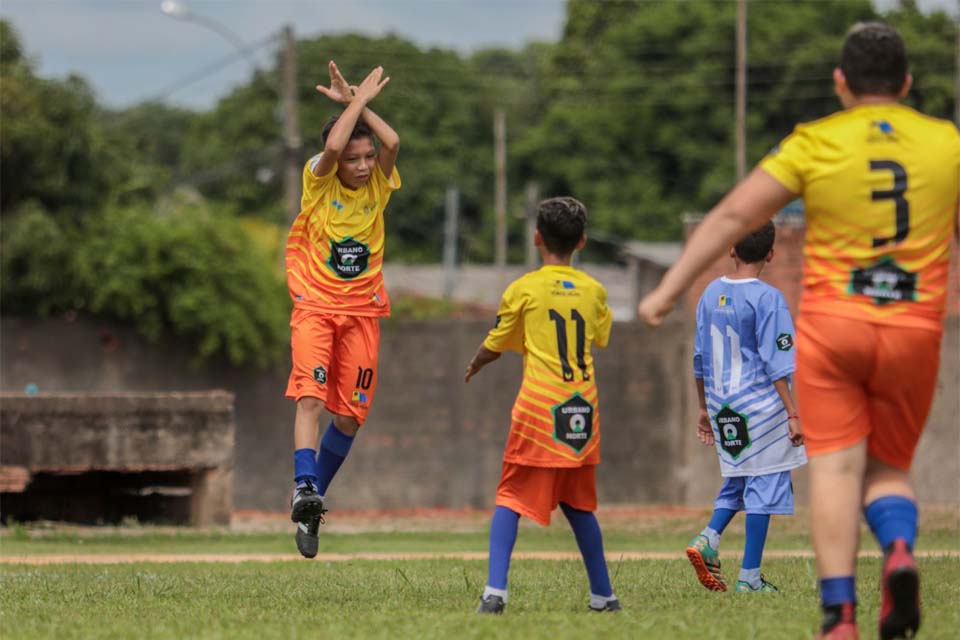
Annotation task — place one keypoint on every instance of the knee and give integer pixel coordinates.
(310, 405)
(346, 425)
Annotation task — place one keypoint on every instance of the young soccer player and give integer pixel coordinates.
(334, 256)
(880, 186)
(552, 316)
(742, 361)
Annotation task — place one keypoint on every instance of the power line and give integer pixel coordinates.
(210, 69)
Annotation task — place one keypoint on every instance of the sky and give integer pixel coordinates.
(130, 51)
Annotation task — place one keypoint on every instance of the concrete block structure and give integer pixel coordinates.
(106, 457)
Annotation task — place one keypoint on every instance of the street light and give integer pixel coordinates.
(180, 11)
(288, 93)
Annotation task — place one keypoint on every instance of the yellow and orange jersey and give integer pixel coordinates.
(553, 316)
(334, 251)
(880, 189)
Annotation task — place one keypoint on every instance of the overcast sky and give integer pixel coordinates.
(130, 51)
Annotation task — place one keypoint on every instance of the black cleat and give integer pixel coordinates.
(611, 606)
(308, 540)
(306, 504)
(491, 604)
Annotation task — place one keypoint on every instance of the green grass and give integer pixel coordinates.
(939, 531)
(427, 599)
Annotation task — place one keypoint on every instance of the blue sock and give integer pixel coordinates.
(503, 533)
(720, 519)
(590, 540)
(305, 466)
(334, 447)
(892, 518)
(757, 525)
(837, 591)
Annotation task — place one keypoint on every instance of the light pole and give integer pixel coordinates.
(180, 11)
(288, 94)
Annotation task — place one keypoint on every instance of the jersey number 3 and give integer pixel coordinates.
(581, 328)
(895, 194)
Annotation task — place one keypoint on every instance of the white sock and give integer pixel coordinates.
(713, 537)
(599, 602)
(490, 591)
(751, 577)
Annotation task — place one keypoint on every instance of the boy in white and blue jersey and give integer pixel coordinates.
(743, 359)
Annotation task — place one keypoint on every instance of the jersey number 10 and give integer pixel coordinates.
(581, 328)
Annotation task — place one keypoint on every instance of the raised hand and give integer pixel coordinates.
(371, 85)
(339, 90)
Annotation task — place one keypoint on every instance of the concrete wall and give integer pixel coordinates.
(430, 439)
(63, 440)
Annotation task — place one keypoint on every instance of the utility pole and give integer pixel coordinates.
(741, 90)
(530, 220)
(450, 241)
(500, 196)
(291, 125)
(956, 81)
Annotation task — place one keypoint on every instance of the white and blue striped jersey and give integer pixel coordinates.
(745, 341)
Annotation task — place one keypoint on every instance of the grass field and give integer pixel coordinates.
(428, 598)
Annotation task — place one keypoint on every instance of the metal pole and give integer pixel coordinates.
(500, 197)
(533, 198)
(291, 125)
(741, 98)
(450, 235)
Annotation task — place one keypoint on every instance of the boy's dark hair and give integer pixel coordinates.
(360, 130)
(874, 59)
(757, 245)
(561, 222)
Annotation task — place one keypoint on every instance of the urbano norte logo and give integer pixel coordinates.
(573, 422)
(733, 429)
(348, 258)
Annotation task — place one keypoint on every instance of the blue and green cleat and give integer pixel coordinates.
(765, 587)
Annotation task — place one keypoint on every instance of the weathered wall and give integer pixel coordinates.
(432, 440)
(118, 438)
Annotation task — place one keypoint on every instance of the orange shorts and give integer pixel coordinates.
(334, 360)
(858, 380)
(534, 492)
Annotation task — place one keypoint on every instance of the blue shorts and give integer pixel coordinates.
(770, 494)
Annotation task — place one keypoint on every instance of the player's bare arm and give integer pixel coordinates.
(340, 134)
(786, 396)
(340, 91)
(704, 428)
(482, 358)
(751, 203)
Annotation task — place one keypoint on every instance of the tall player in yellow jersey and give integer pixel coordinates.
(334, 257)
(880, 188)
(552, 316)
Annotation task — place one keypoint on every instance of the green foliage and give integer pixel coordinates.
(192, 273)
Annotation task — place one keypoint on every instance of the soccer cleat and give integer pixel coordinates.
(306, 504)
(491, 604)
(611, 605)
(839, 623)
(706, 561)
(308, 540)
(900, 589)
(744, 587)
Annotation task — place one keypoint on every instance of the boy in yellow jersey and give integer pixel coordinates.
(334, 257)
(880, 186)
(552, 316)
